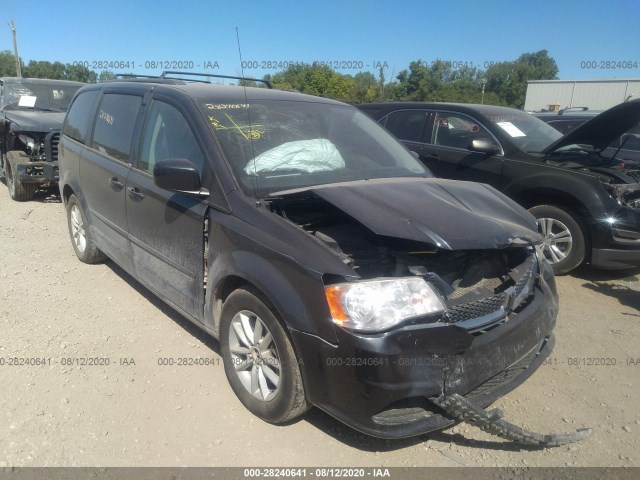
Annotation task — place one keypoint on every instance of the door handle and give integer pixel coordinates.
(134, 192)
(115, 183)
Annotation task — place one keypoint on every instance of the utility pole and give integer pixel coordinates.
(484, 82)
(15, 49)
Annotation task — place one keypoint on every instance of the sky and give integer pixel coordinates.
(588, 39)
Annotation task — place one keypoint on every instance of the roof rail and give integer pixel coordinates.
(165, 73)
(134, 75)
(581, 109)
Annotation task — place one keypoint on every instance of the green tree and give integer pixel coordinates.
(106, 75)
(8, 64)
(508, 80)
(59, 71)
(437, 81)
(80, 73)
(44, 69)
(314, 79)
(395, 91)
(291, 79)
(365, 88)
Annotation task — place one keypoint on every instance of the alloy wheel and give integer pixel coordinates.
(254, 355)
(557, 239)
(77, 229)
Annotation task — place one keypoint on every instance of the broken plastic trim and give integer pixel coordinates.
(459, 408)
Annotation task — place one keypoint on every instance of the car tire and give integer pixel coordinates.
(259, 361)
(80, 233)
(564, 239)
(20, 192)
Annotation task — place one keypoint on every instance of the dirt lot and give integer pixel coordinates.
(135, 412)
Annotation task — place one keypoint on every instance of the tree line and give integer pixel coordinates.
(505, 83)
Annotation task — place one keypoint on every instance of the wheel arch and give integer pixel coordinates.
(558, 198)
(66, 193)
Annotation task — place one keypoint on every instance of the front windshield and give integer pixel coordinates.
(281, 145)
(527, 133)
(38, 96)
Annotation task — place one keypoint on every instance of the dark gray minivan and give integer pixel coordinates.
(332, 267)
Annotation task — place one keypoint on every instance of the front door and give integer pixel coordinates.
(447, 147)
(166, 229)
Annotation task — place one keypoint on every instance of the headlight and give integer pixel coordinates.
(380, 304)
(27, 140)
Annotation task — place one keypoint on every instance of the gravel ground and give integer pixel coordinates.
(135, 412)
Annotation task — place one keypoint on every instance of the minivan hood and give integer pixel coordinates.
(602, 129)
(34, 120)
(449, 214)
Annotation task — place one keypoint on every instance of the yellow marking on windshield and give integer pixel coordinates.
(237, 126)
(248, 132)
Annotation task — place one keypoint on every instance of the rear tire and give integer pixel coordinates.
(20, 192)
(564, 239)
(259, 361)
(80, 233)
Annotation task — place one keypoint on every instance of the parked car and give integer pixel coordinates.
(625, 148)
(587, 204)
(31, 114)
(332, 267)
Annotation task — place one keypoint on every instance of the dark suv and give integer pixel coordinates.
(587, 202)
(31, 114)
(333, 268)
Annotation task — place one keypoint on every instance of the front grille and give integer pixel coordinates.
(55, 140)
(492, 305)
(475, 309)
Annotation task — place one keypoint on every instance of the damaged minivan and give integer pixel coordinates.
(332, 267)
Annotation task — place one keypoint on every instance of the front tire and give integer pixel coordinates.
(80, 233)
(259, 361)
(20, 192)
(564, 240)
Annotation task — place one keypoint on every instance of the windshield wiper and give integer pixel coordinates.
(42, 109)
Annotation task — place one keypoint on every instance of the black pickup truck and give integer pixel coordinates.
(31, 115)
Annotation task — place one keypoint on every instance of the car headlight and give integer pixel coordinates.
(380, 304)
(27, 140)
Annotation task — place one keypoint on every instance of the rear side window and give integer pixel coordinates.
(81, 115)
(115, 119)
(407, 124)
(168, 135)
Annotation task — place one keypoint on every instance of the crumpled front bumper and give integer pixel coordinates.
(37, 172)
(382, 384)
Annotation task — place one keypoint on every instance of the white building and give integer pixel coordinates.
(594, 94)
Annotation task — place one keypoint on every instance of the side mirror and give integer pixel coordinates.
(178, 175)
(484, 145)
(415, 154)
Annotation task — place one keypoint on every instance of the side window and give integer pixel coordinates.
(407, 124)
(455, 130)
(565, 126)
(631, 139)
(167, 135)
(115, 119)
(80, 116)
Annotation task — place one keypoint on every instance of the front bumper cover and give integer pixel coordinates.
(616, 242)
(385, 384)
(37, 172)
